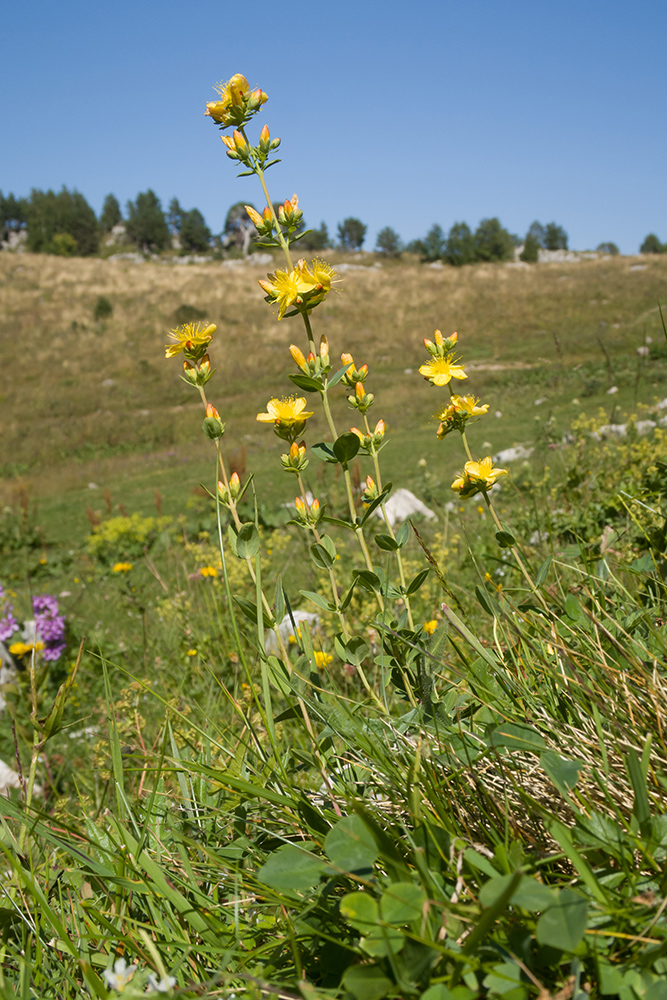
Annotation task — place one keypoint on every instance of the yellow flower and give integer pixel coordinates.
(121, 567)
(285, 412)
(21, 648)
(322, 659)
(457, 413)
(430, 627)
(191, 652)
(477, 477)
(208, 571)
(440, 371)
(192, 338)
(305, 285)
(236, 102)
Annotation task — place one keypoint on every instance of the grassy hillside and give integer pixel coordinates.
(86, 400)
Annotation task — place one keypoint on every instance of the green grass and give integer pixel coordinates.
(484, 814)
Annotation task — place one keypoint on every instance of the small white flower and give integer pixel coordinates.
(164, 985)
(121, 975)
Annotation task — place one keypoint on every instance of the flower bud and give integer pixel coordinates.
(324, 348)
(380, 428)
(234, 485)
(347, 359)
(255, 217)
(265, 135)
(300, 506)
(298, 358)
(437, 336)
(213, 426)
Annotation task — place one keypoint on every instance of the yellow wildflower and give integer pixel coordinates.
(191, 652)
(477, 477)
(191, 338)
(430, 627)
(322, 659)
(121, 567)
(286, 412)
(305, 285)
(457, 413)
(22, 648)
(440, 371)
(236, 102)
(208, 571)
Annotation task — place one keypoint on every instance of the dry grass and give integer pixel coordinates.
(78, 391)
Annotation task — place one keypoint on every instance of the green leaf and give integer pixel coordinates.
(292, 869)
(416, 583)
(563, 773)
(337, 376)
(386, 543)
(402, 903)
(231, 538)
(369, 581)
(354, 651)
(572, 608)
(316, 599)
(543, 571)
(321, 557)
(306, 383)
(374, 504)
(249, 609)
(485, 600)
(516, 737)
(563, 924)
(360, 910)
(503, 978)
(324, 451)
(505, 539)
(350, 845)
(529, 894)
(403, 534)
(442, 992)
(366, 982)
(382, 942)
(329, 545)
(346, 447)
(247, 541)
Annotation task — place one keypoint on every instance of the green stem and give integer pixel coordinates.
(399, 559)
(332, 575)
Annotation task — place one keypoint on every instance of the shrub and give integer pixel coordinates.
(103, 308)
(388, 242)
(66, 214)
(531, 249)
(492, 242)
(351, 233)
(652, 244)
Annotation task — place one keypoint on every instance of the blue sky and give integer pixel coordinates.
(399, 113)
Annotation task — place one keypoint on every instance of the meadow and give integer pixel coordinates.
(467, 803)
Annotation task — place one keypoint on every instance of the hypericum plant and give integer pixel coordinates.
(296, 290)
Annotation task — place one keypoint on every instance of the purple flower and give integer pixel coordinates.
(49, 626)
(8, 624)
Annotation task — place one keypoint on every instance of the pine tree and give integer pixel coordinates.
(460, 248)
(146, 224)
(194, 233)
(388, 242)
(111, 214)
(492, 242)
(351, 233)
(67, 213)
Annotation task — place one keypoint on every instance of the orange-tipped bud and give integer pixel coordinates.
(211, 411)
(298, 358)
(300, 506)
(428, 344)
(380, 428)
(267, 214)
(311, 356)
(255, 217)
(347, 359)
(228, 141)
(265, 135)
(222, 489)
(439, 339)
(360, 434)
(359, 390)
(315, 505)
(454, 337)
(239, 141)
(234, 481)
(260, 96)
(364, 369)
(370, 483)
(294, 451)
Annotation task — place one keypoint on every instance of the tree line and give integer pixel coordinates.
(64, 223)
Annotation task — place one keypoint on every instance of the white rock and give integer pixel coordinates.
(538, 402)
(612, 391)
(286, 628)
(403, 504)
(513, 454)
(638, 267)
(8, 778)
